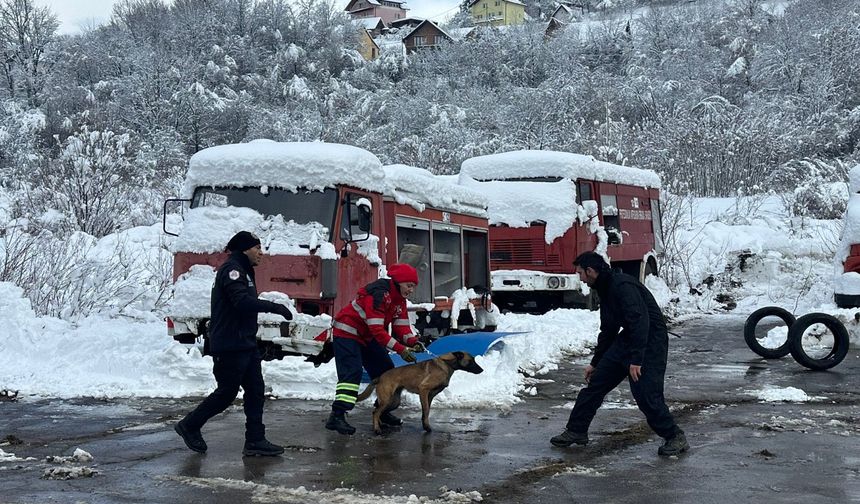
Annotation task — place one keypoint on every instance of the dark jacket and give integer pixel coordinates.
(629, 314)
(233, 326)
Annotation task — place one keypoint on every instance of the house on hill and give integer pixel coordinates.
(497, 12)
(425, 35)
(388, 10)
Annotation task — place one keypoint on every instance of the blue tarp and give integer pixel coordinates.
(476, 343)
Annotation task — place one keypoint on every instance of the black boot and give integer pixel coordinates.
(193, 439)
(337, 422)
(674, 445)
(568, 438)
(262, 448)
(388, 419)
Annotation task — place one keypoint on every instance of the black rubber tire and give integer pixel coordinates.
(840, 341)
(756, 317)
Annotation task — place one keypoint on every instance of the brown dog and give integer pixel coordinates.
(426, 379)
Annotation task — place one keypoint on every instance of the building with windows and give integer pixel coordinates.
(426, 35)
(388, 10)
(497, 12)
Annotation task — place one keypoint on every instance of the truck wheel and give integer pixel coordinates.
(822, 350)
(750, 331)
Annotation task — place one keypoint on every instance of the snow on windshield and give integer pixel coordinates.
(208, 229)
(518, 204)
(417, 185)
(534, 164)
(289, 165)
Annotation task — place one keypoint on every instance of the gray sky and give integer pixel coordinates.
(73, 14)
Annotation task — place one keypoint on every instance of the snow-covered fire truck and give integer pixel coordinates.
(330, 217)
(547, 207)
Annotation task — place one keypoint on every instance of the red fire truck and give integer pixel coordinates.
(548, 207)
(330, 218)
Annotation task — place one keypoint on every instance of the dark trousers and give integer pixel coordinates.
(350, 357)
(233, 370)
(611, 370)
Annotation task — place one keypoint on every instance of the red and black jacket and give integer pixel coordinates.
(378, 305)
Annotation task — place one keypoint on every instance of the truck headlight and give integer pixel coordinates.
(552, 282)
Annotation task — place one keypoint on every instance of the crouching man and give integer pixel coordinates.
(361, 340)
(633, 343)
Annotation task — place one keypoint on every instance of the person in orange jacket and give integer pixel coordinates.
(361, 339)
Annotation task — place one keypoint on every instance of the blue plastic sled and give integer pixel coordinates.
(476, 343)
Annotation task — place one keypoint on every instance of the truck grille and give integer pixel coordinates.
(507, 252)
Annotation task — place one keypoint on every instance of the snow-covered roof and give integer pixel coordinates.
(518, 204)
(288, 165)
(461, 33)
(535, 163)
(419, 185)
(431, 23)
(368, 23)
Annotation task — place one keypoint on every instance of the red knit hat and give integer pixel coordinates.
(402, 273)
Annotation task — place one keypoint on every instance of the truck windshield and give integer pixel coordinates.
(302, 207)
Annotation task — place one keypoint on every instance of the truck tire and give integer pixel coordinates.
(840, 341)
(753, 321)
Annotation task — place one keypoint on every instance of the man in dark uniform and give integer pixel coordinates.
(233, 345)
(633, 343)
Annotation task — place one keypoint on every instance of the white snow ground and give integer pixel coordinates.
(130, 354)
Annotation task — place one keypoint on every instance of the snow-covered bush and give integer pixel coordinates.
(78, 275)
(813, 187)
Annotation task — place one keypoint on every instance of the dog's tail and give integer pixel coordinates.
(366, 393)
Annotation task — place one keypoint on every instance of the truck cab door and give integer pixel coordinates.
(359, 229)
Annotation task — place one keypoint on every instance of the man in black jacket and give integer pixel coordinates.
(633, 343)
(233, 345)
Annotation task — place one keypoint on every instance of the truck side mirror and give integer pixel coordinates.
(357, 219)
(365, 214)
(174, 202)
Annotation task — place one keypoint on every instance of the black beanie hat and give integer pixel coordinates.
(242, 241)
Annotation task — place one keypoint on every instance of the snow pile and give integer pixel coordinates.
(789, 261)
(518, 204)
(273, 493)
(535, 163)
(778, 394)
(418, 187)
(288, 165)
(192, 293)
(10, 457)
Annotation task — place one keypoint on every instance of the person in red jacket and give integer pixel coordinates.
(361, 339)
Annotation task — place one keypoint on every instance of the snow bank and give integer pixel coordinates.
(535, 163)
(125, 357)
(778, 394)
(289, 165)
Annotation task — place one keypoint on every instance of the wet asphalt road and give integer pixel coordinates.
(742, 449)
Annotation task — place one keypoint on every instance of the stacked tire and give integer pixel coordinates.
(794, 344)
